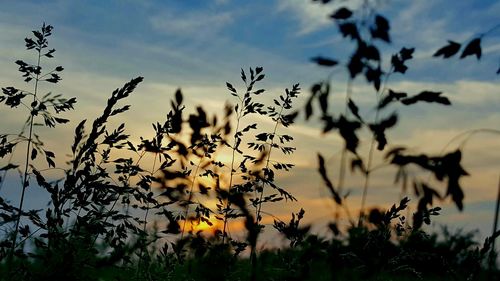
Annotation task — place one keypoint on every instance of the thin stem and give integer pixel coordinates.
(495, 224)
(490, 30)
(145, 222)
(190, 196)
(370, 152)
(228, 204)
(259, 207)
(25, 175)
(343, 156)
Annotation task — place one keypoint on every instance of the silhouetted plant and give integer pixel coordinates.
(46, 107)
(114, 216)
(365, 27)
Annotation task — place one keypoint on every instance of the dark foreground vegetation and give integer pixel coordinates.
(125, 211)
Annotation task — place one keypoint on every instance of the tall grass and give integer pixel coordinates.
(113, 217)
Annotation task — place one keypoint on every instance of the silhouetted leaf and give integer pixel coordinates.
(230, 87)
(473, 48)
(390, 97)
(9, 167)
(178, 96)
(349, 29)
(398, 64)
(322, 171)
(381, 29)
(370, 52)
(374, 75)
(341, 14)
(355, 65)
(379, 130)
(406, 53)
(427, 96)
(324, 61)
(308, 109)
(34, 153)
(61, 120)
(354, 109)
(357, 163)
(258, 92)
(243, 76)
(323, 102)
(347, 130)
(449, 50)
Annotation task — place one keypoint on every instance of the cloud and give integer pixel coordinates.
(199, 23)
(310, 17)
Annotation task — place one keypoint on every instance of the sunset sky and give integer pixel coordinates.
(199, 45)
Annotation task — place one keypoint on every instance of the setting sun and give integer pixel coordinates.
(249, 140)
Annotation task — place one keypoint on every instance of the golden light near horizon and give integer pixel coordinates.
(210, 225)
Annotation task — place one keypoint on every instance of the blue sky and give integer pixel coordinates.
(199, 45)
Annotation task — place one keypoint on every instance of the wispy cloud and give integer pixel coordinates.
(196, 23)
(310, 17)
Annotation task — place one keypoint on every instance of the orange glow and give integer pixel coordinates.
(206, 225)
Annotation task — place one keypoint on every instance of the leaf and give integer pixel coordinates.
(230, 87)
(473, 48)
(34, 153)
(262, 137)
(322, 171)
(370, 52)
(323, 102)
(398, 64)
(406, 53)
(61, 120)
(381, 29)
(9, 167)
(379, 130)
(374, 75)
(354, 109)
(449, 50)
(324, 61)
(49, 154)
(355, 65)
(347, 130)
(390, 97)
(258, 92)
(178, 96)
(243, 76)
(427, 96)
(341, 14)
(50, 162)
(309, 109)
(349, 29)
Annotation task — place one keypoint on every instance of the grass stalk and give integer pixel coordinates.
(27, 160)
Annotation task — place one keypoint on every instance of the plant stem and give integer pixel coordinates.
(340, 184)
(190, 196)
(25, 175)
(259, 207)
(495, 224)
(370, 152)
(228, 204)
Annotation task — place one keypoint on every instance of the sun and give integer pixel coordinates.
(204, 225)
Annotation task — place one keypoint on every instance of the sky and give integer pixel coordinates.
(199, 45)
